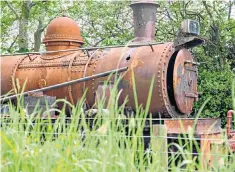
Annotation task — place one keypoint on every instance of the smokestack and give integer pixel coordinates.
(144, 14)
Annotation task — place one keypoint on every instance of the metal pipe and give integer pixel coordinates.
(229, 120)
(64, 84)
(86, 48)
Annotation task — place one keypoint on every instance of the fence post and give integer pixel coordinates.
(159, 146)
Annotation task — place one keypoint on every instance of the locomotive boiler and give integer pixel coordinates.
(171, 63)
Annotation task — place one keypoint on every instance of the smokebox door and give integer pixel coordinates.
(185, 81)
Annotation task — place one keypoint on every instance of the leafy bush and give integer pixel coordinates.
(216, 85)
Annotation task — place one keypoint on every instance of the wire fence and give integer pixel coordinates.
(30, 127)
(206, 132)
(126, 136)
(169, 152)
(147, 150)
(109, 118)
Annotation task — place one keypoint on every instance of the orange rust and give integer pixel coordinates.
(230, 134)
(62, 33)
(184, 81)
(50, 69)
(229, 120)
(202, 126)
(232, 140)
(208, 156)
(63, 29)
(145, 62)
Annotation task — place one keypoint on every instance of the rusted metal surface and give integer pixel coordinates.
(230, 133)
(207, 142)
(142, 61)
(62, 33)
(201, 126)
(145, 62)
(65, 84)
(232, 141)
(185, 81)
(63, 29)
(9, 66)
(53, 64)
(144, 20)
(131, 45)
(211, 145)
(229, 121)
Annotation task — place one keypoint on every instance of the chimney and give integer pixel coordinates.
(144, 14)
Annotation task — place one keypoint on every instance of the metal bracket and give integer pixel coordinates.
(187, 41)
(192, 62)
(192, 95)
(151, 47)
(191, 68)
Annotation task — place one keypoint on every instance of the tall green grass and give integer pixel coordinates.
(114, 143)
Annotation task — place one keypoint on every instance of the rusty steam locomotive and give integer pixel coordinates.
(58, 71)
(174, 68)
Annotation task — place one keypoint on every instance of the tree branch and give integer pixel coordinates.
(207, 10)
(9, 49)
(230, 9)
(12, 9)
(32, 4)
(168, 14)
(98, 42)
(189, 12)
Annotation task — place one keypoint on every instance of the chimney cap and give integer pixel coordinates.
(151, 2)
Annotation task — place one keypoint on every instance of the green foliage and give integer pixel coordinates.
(216, 85)
(107, 26)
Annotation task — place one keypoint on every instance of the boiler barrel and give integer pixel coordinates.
(173, 89)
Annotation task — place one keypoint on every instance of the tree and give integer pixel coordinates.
(27, 14)
(23, 21)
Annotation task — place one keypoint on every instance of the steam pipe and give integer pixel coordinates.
(64, 84)
(86, 48)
